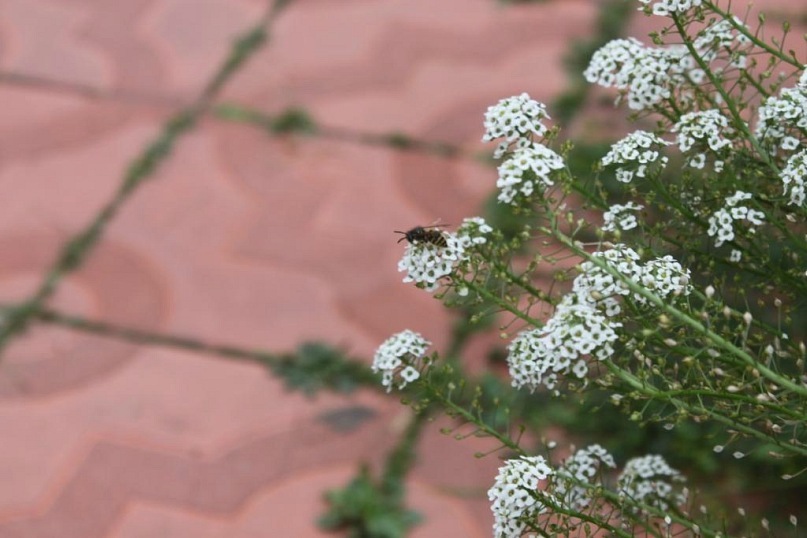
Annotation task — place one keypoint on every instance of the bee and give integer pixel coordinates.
(425, 234)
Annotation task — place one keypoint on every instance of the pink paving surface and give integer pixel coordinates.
(238, 238)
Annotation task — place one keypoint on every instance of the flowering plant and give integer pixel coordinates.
(685, 299)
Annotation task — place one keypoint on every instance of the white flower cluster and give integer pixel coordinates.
(526, 170)
(721, 223)
(427, 263)
(638, 148)
(583, 466)
(472, 231)
(794, 176)
(704, 129)
(576, 330)
(513, 495)
(514, 118)
(782, 118)
(580, 326)
(720, 37)
(802, 84)
(650, 480)
(647, 74)
(596, 285)
(665, 7)
(530, 164)
(401, 355)
(516, 497)
(663, 276)
(620, 217)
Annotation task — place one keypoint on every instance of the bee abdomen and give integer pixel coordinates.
(435, 237)
(419, 234)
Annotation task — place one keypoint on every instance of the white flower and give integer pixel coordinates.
(472, 231)
(515, 118)
(513, 495)
(789, 143)
(650, 480)
(401, 355)
(784, 118)
(794, 177)
(698, 161)
(639, 149)
(802, 84)
(647, 75)
(619, 217)
(526, 170)
(721, 224)
(665, 7)
(582, 466)
(536, 357)
(702, 128)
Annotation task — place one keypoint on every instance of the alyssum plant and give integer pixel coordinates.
(678, 277)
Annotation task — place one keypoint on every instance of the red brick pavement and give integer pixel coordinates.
(239, 238)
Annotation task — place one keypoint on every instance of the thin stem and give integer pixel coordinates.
(737, 120)
(495, 299)
(401, 459)
(741, 28)
(456, 410)
(299, 121)
(696, 410)
(149, 338)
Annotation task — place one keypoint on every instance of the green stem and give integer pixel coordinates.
(495, 299)
(298, 121)
(401, 459)
(694, 324)
(741, 28)
(139, 337)
(696, 410)
(455, 410)
(737, 120)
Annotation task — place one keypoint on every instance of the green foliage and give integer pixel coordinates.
(316, 366)
(370, 508)
(293, 120)
(363, 509)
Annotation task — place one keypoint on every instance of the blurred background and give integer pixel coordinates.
(269, 224)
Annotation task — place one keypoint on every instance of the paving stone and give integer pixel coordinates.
(238, 238)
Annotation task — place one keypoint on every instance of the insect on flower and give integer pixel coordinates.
(425, 234)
